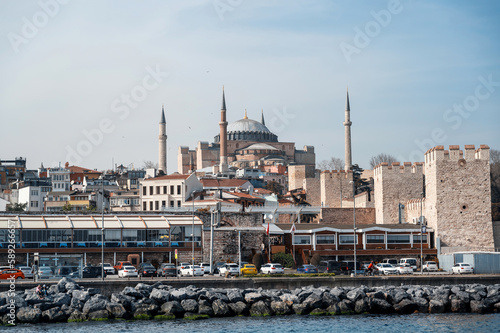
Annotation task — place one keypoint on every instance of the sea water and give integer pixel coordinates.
(449, 322)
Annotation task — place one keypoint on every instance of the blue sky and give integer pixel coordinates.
(420, 74)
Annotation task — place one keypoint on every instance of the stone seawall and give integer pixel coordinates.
(67, 301)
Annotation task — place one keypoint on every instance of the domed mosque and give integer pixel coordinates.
(249, 144)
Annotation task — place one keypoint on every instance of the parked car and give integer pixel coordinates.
(392, 261)
(205, 267)
(218, 265)
(231, 268)
(307, 269)
(430, 266)
(11, 273)
(146, 269)
(110, 270)
(62, 271)
(411, 261)
(27, 271)
(248, 269)
(404, 269)
(386, 268)
(462, 268)
(166, 269)
(182, 265)
(272, 269)
(45, 272)
(350, 267)
(191, 270)
(121, 264)
(88, 272)
(128, 271)
(332, 266)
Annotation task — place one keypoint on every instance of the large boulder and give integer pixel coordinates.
(239, 308)
(54, 315)
(98, 315)
(355, 294)
(251, 298)
(329, 299)
(346, 306)
(479, 307)
(160, 295)
(422, 304)
(80, 295)
(220, 308)
(234, 296)
(436, 306)
(205, 308)
(29, 315)
(190, 305)
(77, 316)
(149, 310)
(380, 306)
(260, 309)
(125, 300)
(289, 299)
(216, 295)
(280, 308)
(406, 306)
(314, 301)
(96, 303)
(173, 308)
(300, 309)
(116, 310)
(129, 291)
(361, 306)
(458, 305)
(61, 299)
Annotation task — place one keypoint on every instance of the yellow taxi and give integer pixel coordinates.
(248, 269)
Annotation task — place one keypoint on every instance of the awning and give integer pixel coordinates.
(273, 229)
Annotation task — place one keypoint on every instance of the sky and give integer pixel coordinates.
(84, 81)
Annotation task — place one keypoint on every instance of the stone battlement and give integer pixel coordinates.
(454, 153)
(396, 167)
(336, 173)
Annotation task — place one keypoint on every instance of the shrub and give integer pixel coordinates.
(286, 260)
(258, 260)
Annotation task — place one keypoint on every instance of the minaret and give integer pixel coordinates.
(162, 138)
(223, 136)
(347, 124)
(262, 121)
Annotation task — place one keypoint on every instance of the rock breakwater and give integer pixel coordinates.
(67, 301)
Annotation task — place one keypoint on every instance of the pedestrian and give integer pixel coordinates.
(38, 291)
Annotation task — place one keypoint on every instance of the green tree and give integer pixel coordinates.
(258, 260)
(16, 207)
(66, 207)
(285, 259)
(361, 184)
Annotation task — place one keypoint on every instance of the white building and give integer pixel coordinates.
(169, 191)
(33, 196)
(60, 179)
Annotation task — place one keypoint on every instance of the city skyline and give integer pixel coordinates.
(86, 80)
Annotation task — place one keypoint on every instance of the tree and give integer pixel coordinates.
(495, 184)
(274, 187)
(150, 165)
(285, 259)
(66, 207)
(377, 159)
(333, 163)
(299, 199)
(360, 184)
(16, 207)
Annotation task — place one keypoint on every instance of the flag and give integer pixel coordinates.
(267, 230)
(292, 230)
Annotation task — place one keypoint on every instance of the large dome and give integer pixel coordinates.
(248, 130)
(247, 125)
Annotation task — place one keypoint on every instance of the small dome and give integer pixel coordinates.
(247, 125)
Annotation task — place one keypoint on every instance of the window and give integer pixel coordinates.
(144, 206)
(151, 190)
(178, 189)
(301, 240)
(416, 239)
(34, 192)
(163, 203)
(165, 189)
(151, 205)
(171, 203)
(375, 239)
(144, 190)
(157, 204)
(171, 189)
(34, 204)
(158, 190)
(178, 204)
(398, 239)
(325, 239)
(347, 239)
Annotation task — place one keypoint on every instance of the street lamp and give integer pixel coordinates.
(192, 230)
(239, 252)
(354, 220)
(421, 235)
(102, 228)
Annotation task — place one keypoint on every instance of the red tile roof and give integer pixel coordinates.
(223, 182)
(172, 176)
(74, 169)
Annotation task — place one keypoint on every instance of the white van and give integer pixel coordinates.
(410, 261)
